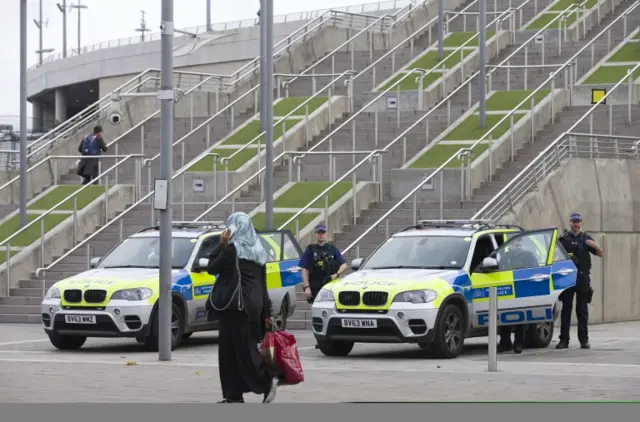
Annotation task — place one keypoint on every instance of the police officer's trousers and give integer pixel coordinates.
(581, 293)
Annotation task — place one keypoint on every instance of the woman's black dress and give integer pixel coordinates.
(242, 367)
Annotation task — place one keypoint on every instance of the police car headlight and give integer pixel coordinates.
(325, 296)
(132, 294)
(53, 293)
(416, 296)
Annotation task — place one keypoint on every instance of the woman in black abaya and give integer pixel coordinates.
(242, 367)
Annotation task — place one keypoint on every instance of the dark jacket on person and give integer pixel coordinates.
(253, 278)
(90, 164)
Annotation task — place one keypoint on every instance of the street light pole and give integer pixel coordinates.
(266, 91)
(63, 8)
(209, 16)
(166, 168)
(79, 7)
(440, 29)
(23, 113)
(482, 83)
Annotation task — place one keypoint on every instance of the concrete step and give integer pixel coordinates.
(20, 319)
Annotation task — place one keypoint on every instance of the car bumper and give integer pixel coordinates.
(121, 318)
(401, 323)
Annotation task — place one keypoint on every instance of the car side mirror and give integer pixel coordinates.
(489, 264)
(356, 264)
(94, 262)
(201, 265)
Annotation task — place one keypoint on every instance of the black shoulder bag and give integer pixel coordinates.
(227, 292)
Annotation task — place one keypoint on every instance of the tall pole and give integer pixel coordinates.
(482, 83)
(40, 53)
(166, 167)
(63, 8)
(79, 8)
(23, 113)
(208, 15)
(440, 29)
(266, 19)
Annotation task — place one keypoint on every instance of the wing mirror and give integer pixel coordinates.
(201, 265)
(356, 264)
(488, 265)
(94, 262)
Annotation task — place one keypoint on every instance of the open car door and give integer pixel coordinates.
(530, 270)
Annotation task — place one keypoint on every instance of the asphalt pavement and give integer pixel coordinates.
(120, 370)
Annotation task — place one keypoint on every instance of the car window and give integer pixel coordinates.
(291, 248)
(144, 252)
(429, 252)
(207, 247)
(484, 247)
(271, 243)
(559, 254)
(526, 251)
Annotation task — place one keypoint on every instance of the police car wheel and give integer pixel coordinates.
(177, 326)
(448, 341)
(186, 336)
(66, 342)
(539, 336)
(336, 348)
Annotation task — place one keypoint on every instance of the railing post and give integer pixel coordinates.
(42, 241)
(8, 270)
(326, 211)
(75, 221)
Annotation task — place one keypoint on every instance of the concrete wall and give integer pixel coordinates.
(607, 193)
(404, 179)
(60, 239)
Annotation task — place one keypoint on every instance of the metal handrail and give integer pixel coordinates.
(225, 160)
(464, 151)
(72, 196)
(352, 118)
(352, 170)
(554, 145)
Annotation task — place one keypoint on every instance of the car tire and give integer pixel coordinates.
(66, 342)
(448, 341)
(338, 348)
(538, 336)
(177, 322)
(186, 336)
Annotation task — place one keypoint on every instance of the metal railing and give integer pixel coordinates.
(232, 25)
(565, 146)
(58, 208)
(465, 153)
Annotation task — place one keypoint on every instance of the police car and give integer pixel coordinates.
(118, 295)
(429, 285)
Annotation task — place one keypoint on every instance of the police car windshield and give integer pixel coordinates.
(144, 252)
(421, 252)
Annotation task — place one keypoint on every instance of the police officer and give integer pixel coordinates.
(579, 245)
(321, 263)
(517, 257)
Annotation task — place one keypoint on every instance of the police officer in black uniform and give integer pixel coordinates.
(517, 257)
(580, 246)
(321, 263)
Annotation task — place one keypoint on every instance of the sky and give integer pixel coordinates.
(112, 19)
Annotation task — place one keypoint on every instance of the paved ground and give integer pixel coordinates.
(31, 370)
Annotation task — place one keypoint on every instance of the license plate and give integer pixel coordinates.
(80, 319)
(359, 323)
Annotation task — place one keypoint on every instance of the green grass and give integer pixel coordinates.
(545, 18)
(3, 255)
(457, 39)
(431, 60)
(279, 218)
(637, 37)
(439, 154)
(206, 164)
(565, 4)
(470, 130)
(610, 75)
(252, 130)
(32, 233)
(409, 83)
(287, 105)
(59, 193)
(630, 52)
(508, 100)
(301, 193)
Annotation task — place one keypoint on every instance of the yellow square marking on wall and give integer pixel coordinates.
(597, 95)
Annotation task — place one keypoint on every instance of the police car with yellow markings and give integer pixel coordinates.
(429, 285)
(118, 295)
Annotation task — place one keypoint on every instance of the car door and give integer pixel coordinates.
(526, 293)
(201, 282)
(283, 254)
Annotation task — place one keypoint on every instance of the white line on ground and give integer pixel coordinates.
(14, 343)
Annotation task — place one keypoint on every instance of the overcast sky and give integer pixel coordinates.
(111, 19)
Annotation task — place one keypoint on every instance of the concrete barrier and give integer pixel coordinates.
(607, 193)
(60, 238)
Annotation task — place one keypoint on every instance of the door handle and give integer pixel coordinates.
(293, 269)
(539, 277)
(565, 271)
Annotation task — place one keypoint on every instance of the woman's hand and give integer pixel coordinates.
(270, 322)
(224, 237)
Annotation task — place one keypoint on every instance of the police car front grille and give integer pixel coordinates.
(375, 298)
(349, 298)
(95, 296)
(73, 296)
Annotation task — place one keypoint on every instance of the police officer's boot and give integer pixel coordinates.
(585, 345)
(517, 348)
(562, 345)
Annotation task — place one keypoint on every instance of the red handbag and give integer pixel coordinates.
(280, 348)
